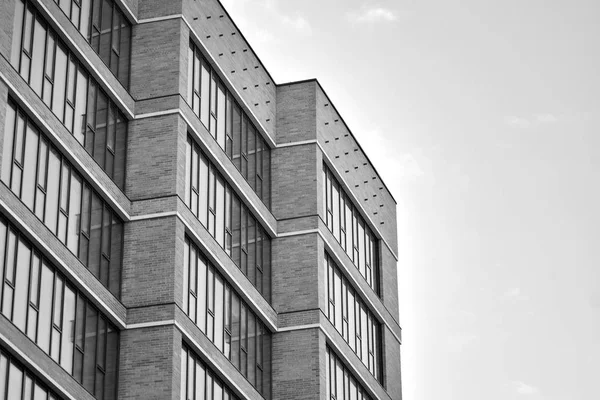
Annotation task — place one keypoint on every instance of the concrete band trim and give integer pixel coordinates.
(55, 385)
(273, 324)
(298, 143)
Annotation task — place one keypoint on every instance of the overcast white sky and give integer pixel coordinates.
(483, 118)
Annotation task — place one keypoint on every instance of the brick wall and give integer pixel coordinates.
(148, 364)
(298, 372)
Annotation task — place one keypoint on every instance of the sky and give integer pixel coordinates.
(483, 118)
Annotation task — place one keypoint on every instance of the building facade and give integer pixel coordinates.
(176, 225)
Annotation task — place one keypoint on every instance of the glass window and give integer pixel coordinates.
(54, 318)
(350, 229)
(60, 82)
(199, 381)
(205, 88)
(58, 78)
(62, 200)
(233, 328)
(221, 116)
(37, 60)
(220, 211)
(228, 124)
(352, 319)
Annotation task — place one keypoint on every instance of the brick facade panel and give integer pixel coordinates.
(295, 276)
(296, 112)
(155, 59)
(148, 365)
(294, 181)
(149, 257)
(297, 366)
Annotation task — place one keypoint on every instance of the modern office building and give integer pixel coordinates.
(176, 225)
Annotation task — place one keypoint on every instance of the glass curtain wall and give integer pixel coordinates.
(50, 187)
(352, 319)
(44, 305)
(350, 229)
(228, 124)
(19, 383)
(215, 307)
(105, 27)
(227, 219)
(55, 74)
(198, 382)
(341, 384)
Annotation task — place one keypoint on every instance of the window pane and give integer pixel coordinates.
(80, 106)
(202, 285)
(52, 190)
(7, 150)
(31, 154)
(74, 213)
(221, 116)
(60, 82)
(220, 211)
(21, 286)
(66, 359)
(205, 87)
(17, 32)
(219, 315)
(15, 382)
(44, 323)
(37, 61)
(89, 367)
